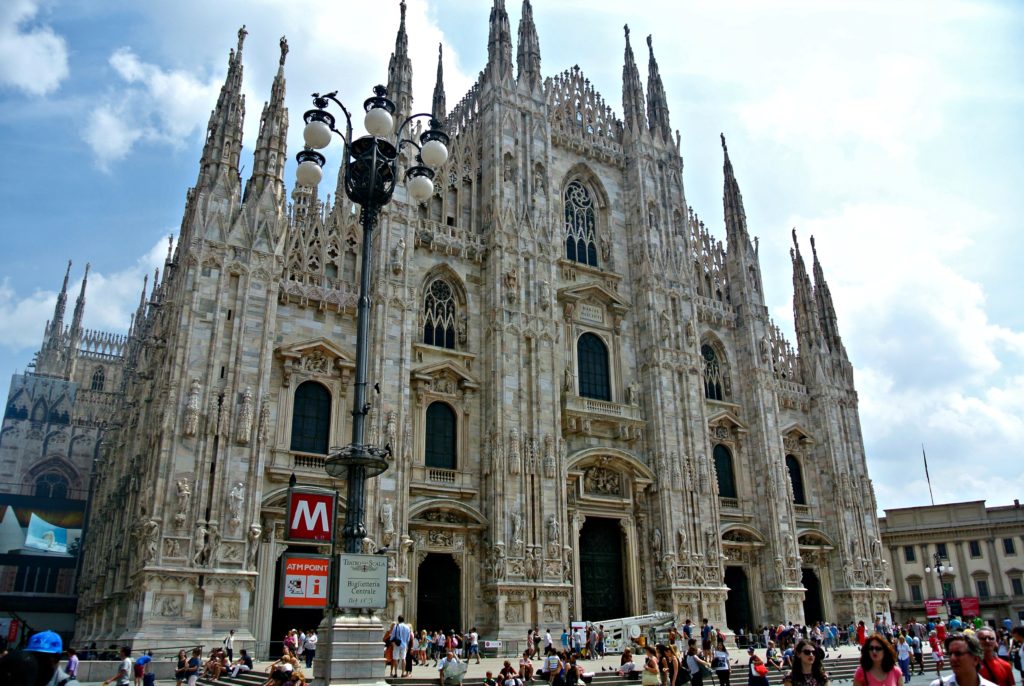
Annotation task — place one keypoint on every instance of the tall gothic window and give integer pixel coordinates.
(592, 360)
(99, 378)
(796, 479)
(440, 436)
(51, 485)
(439, 315)
(580, 225)
(725, 472)
(311, 418)
(712, 373)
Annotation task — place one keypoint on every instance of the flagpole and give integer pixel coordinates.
(926, 475)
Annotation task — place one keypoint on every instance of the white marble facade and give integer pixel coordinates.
(258, 297)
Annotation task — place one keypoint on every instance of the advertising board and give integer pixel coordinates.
(304, 580)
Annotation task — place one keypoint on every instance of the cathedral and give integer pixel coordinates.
(590, 412)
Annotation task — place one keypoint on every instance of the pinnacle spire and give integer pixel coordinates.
(57, 324)
(632, 90)
(826, 309)
(732, 199)
(438, 105)
(528, 56)
(400, 72)
(271, 145)
(224, 131)
(805, 311)
(499, 45)
(76, 319)
(657, 103)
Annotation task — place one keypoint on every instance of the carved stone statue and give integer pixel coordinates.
(553, 529)
(387, 521)
(255, 534)
(512, 284)
(684, 545)
(766, 350)
(516, 519)
(201, 545)
(263, 431)
(245, 416)
(398, 257)
(192, 409)
(499, 562)
(213, 545)
(656, 543)
(633, 394)
(184, 496)
(236, 497)
(513, 452)
(150, 539)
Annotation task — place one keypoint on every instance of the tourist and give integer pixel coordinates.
(903, 652)
(142, 669)
(401, 637)
(757, 670)
(124, 670)
(552, 665)
(807, 668)
(668, 663)
(526, 666)
(600, 641)
(451, 669)
(45, 648)
(280, 670)
(877, 664)
(937, 655)
(229, 645)
(474, 645)
(72, 670)
(651, 674)
(194, 666)
(862, 632)
(965, 656)
(993, 668)
(242, 664)
(508, 676)
(696, 663)
(720, 663)
(389, 650)
(308, 648)
(771, 657)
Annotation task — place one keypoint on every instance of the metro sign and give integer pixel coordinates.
(310, 515)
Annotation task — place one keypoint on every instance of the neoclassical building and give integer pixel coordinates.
(590, 411)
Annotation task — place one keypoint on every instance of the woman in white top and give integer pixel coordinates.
(720, 663)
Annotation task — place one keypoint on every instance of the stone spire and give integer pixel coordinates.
(826, 310)
(271, 146)
(57, 323)
(76, 318)
(224, 131)
(437, 107)
(657, 103)
(805, 310)
(50, 359)
(632, 91)
(528, 56)
(732, 200)
(400, 73)
(499, 46)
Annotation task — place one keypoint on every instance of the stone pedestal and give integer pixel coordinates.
(350, 650)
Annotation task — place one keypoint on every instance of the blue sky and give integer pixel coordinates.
(892, 132)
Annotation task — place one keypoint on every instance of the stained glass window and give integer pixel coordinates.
(439, 315)
(592, 359)
(580, 225)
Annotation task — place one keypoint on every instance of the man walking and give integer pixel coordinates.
(474, 645)
(403, 632)
(309, 648)
(124, 671)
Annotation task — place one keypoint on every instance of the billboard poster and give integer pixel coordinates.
(49, 528)
(311, 514)
(304, 580)
(933, 607)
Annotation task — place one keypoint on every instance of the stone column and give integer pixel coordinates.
(632, 564)
(960, 572)
(997, 569)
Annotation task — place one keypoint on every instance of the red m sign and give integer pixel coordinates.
(310, 515)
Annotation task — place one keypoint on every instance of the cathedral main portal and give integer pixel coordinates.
(437, 597)
(602, 588)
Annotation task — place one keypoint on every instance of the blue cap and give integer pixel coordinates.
(45, 642)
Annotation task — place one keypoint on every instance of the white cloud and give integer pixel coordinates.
(32, 58)
(111, 299)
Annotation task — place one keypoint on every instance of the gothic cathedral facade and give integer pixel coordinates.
(590, 412)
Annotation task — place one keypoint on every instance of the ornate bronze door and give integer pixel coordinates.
(437, 594)
(601, 572)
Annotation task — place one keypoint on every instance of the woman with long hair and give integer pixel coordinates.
(389, 661)
(651, 675)
(695, 662)
(877, 664)
(668, 664)
(757, 670)
(720, 663)
(807, 668)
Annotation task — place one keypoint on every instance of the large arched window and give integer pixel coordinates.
(439, 315)
(311, 418)
(580, 225)
(725, 472)
(712, 373)
(99, 379)
(592, 361)
(440, 441)
(51, 485)
(796, 479)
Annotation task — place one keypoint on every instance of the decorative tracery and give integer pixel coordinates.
(580, 225)
(714, 376)
(439, 314)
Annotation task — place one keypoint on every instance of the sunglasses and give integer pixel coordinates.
(959, 653)
(876, 649)
(807, 652)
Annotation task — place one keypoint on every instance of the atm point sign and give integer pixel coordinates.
(305, 580)
(310, 515)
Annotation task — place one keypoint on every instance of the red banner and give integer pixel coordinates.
(310, 515)
(932, 606)
(12, 632)
(971, 607)
(304, 580)
(958, 607)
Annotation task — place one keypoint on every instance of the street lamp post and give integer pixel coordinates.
(940, 566)
(351, 646)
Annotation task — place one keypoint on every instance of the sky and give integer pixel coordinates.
(893, 132)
